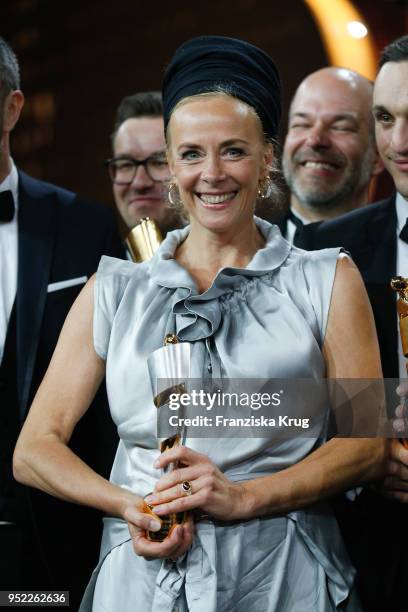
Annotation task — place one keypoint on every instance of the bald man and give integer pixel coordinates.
(329, 155)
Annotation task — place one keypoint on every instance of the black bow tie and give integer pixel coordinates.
(404, 232)
(300, 233)
(295, 220)
(6, 206)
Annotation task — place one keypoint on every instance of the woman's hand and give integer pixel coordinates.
(175, 545)
(209, 490)
(395, 485)
(401, 411)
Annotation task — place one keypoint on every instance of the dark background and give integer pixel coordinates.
(79, 58)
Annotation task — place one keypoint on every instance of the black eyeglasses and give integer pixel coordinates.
(122, 170)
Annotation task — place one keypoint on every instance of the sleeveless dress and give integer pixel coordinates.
(265, 321)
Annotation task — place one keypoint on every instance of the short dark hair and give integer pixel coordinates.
(143, 104)
(9, 69)
(397, 51)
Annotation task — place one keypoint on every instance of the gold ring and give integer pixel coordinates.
(187, 488)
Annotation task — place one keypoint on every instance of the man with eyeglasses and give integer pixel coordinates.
(138, 168)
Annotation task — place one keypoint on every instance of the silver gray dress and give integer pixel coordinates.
(265, 321)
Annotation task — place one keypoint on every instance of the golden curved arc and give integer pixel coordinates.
(332, 18)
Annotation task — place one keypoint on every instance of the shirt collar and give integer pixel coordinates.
(11, 183)
(296, 214)
(401, 206)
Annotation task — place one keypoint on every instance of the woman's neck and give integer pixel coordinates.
(204, 252)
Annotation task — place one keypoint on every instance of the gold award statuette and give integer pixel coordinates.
(171, 363)
(142, 243)
(400, 285)
(143, 240)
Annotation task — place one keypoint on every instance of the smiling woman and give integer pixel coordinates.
(218, 157)
(250, 305)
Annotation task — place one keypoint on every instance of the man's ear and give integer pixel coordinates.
(12, 108)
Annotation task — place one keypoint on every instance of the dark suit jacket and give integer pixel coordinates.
(60, 237)
(369, 234)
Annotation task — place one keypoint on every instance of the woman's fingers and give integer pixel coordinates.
(156, 550)
(141, 520)
(195, 483)
(180, 454)
(401, 412)
(395, 485)
(181, 474)
(402, 389)
(183, 496)
(173, 546)
(188, 535)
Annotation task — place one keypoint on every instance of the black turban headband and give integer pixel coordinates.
(205, 63)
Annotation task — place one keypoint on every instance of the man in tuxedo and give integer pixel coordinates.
(375, 524)
(138, 168)
(329, 155)
(50, 243)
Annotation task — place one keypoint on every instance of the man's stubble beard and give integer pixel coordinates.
(323, 199)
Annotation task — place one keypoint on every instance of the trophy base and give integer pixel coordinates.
(168, 522)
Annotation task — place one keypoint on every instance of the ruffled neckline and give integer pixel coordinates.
(198, 315)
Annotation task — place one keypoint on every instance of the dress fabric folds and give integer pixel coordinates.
(265, 321)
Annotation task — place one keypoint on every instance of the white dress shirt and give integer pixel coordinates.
(291, 227)
(8, 258)
(402, 264)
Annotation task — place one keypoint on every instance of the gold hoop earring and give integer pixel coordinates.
(265, 188)
(173, 195)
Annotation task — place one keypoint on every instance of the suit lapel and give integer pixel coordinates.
(36, 234)
(382, 244)
(377, 272)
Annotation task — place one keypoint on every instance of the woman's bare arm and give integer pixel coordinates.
(42, 458)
